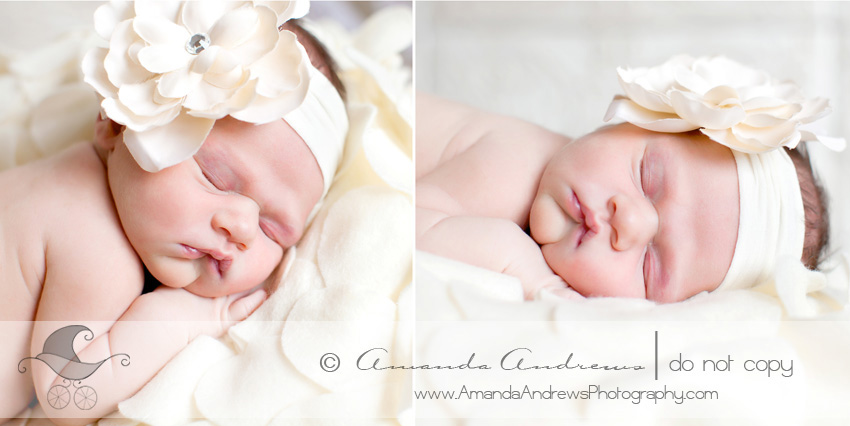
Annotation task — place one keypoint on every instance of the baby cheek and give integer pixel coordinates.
(264, 262)
(581, 270)
(546, 220)
(561, 263)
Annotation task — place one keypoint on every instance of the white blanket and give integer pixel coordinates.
(463, 309)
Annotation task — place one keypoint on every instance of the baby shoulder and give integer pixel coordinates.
(86, 250)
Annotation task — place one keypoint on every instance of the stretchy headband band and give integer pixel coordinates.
(771, 222)
(321, 120)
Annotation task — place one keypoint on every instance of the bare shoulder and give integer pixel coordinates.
(471, 162)
(87, 256)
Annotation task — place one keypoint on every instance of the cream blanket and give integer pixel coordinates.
(463, 309)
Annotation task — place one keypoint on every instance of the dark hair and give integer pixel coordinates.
(815, 206)
(319, 56)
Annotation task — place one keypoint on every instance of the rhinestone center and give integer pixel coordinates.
(197, 43)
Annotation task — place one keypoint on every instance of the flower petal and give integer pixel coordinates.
(95, 75)
(158, 31)
(207, 96)
(737, 106)
(761, 102)
(263, 39)
(623, 108)
(165, 146)
(168, 10)
(646, 90)
(722, 96)
(119, 66)
(727, 138)
(200, 16)
(762, 120)
(229, 80)
(206, 59)
(108, 15)
(163, 58)
(178, 83)
(265, 110)
(224, 62)
(237, 101)
(139, 98)
(243, 97)
(813, 109)
(286, 10)
(122, 115)
(834, 144)
(785, 134)
(282, 70)
(691, 81)
(693, 110)
(236, 27)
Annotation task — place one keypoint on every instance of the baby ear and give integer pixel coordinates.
(107, 133)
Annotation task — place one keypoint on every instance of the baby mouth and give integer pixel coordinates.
(221, 265)
(219, 261)
(586, 221)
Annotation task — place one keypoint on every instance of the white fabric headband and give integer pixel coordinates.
(771, 224)
(321, 120)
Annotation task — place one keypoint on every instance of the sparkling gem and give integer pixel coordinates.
(197, 43)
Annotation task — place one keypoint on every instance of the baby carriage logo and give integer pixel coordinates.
(58, 353)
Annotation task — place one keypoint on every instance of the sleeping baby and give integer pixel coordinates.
(220, 138)
(699, 190)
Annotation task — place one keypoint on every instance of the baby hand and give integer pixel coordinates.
(237, 307)
(209, 316)
(556, 286)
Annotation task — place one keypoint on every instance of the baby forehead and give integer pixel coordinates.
(240, 143)
(627, 135)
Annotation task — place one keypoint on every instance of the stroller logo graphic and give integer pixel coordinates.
(58, 353)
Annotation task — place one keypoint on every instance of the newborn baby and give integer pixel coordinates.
(79, 228)
(623, 211)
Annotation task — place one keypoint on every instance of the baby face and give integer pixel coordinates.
(218, 223)
(632, 213)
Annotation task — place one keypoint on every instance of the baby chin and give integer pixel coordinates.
(215, 278)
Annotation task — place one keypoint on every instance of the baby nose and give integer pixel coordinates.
(634, 222)
(238, 221)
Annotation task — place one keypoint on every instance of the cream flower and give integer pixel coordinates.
(742, 108)
(173, 68)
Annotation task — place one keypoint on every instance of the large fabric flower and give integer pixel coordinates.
(173, 68)
(737, 106)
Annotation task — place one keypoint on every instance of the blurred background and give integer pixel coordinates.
(554, 63)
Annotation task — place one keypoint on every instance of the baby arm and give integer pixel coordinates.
(93, 278)
(154, 329)
(492, 243)
(477, 174)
